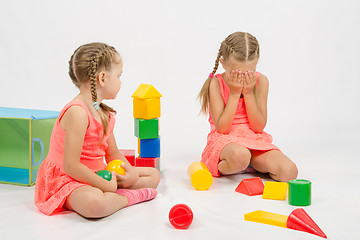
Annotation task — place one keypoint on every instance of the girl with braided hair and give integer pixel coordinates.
(82, 136)
(237, 104)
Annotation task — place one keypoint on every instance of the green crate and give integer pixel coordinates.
(24, 143)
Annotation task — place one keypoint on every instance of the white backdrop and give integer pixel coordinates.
(309, 51)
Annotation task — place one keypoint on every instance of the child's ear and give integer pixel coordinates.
(222, 62)
(101, 78)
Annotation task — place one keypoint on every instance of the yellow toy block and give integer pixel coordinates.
(146, 108)
(146, 102)
(145, 91)
(275, 190)
(267, 218)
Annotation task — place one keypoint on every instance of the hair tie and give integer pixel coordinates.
(96, 105)
(211, 75)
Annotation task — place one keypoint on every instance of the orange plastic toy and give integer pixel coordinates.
(115, 166)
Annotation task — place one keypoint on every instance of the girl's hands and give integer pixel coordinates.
(130, 178)
(249, 80)
(235, 82)
(113, 182)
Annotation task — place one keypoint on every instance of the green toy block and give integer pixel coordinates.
(24, 143)
(146, 128)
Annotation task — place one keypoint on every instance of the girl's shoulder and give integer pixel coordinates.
(74, 111)
(263, 81)
(215, 83)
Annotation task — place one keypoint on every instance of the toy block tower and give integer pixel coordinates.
(146, 107)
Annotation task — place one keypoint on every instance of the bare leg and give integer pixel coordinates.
(233, 159)
(91, 202)
(274, 162)
(148, 178)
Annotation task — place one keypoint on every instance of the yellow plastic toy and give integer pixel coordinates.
(146, 102)
(200, 176)
(267, 218)
(145, 91)
(275, 190)
(115, 166)
(147, 108)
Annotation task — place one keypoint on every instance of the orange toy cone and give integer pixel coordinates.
(300, 220)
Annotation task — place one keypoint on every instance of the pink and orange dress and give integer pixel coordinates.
(53, 185)
(240, 133)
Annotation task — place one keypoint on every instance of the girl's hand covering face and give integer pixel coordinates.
(249, 80)
(235, 81)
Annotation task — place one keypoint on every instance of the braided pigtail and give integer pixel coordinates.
(93, 68)
(204, 92)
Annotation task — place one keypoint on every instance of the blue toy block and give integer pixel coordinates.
(150, 148)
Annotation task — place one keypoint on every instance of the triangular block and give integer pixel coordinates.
(145, 91)
(301, 221)
(251, 186)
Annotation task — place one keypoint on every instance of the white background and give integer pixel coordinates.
(309, 51)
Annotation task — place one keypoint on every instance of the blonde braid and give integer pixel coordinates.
(92, 74)
(93, 68)
(203, 95)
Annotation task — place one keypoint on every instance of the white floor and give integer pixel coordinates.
(218, 212)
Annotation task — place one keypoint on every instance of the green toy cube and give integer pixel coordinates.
(146, 128)
(24, 143)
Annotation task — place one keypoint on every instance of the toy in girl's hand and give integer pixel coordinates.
(115, 166)
(105, 174)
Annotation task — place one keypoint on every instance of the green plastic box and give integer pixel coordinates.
(24, 143)
(146, 128)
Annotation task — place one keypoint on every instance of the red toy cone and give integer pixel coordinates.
(300, 220)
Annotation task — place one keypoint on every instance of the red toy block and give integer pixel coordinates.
(147, 162)
(251, 186)
(181, 216)
(129, 154)
(301, 221)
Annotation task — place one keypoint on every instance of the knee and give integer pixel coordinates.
(287, 172)
(94, 208)
(155, 175)
(240, 158)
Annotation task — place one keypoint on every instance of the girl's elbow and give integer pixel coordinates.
(258, 129)
(223, 130)
(68, 168)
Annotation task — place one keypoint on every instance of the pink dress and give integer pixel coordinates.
(240, 133)
(53, 185)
